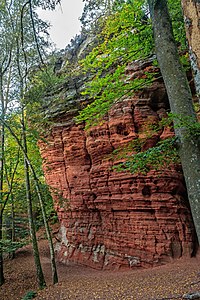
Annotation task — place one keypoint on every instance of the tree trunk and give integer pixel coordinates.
(51, 249)
(191, 11)
(12, 254)
(27, 166)
(40, 275)
(180, 99)
(2, 279)
(42, 206)
(2, 147)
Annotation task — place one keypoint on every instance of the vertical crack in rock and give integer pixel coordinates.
(65, 164)
(133, 118)
(109, 137)
(93, 195)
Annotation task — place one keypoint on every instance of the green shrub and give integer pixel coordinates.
(29, 295)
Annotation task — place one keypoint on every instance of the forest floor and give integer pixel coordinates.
(169, 281)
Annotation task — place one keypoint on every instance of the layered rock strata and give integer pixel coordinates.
(109, 219)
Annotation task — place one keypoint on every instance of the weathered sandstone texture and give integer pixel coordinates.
(112, 220)
(191, 12)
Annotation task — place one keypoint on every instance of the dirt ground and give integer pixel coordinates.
(170, 281)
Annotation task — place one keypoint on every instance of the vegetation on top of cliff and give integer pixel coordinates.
(126, 37)
(120, 32)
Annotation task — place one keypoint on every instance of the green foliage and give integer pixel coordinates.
(8, 246)
(43, 83)
(29, 295)
(17, 197)
(157, 158)
(187, 123)
(197, 107)
(176, 14)
(43, 87)
(21, 225)
(133, 146)
(93, 11)
(184, 58)
(126, 36)
(160, 156)
(49, 207)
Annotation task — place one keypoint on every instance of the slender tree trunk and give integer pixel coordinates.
(54, 271)
(2, 279)
(40, 275)
(12, 254)
(2, 141)
(191, 11)
(29, 165)
(180, 99)
(10, 195)
(52, 253)
(42, 205)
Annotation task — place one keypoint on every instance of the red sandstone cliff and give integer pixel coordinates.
(109, 219)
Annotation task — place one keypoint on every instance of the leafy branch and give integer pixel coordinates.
(8, 246)
(163, 154)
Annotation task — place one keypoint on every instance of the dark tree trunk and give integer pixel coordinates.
(12, 254)
(180, 99)
(2, 280)
(40, 275)
(2, 147)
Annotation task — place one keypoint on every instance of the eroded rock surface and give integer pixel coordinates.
(112, 220)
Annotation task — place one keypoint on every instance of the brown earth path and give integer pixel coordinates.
(78, 282)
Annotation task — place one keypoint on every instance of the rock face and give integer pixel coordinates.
(109, 219)
(191, 11)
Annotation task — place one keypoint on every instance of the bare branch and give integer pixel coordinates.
(34, 31)
(22, 36)
(10, 183)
